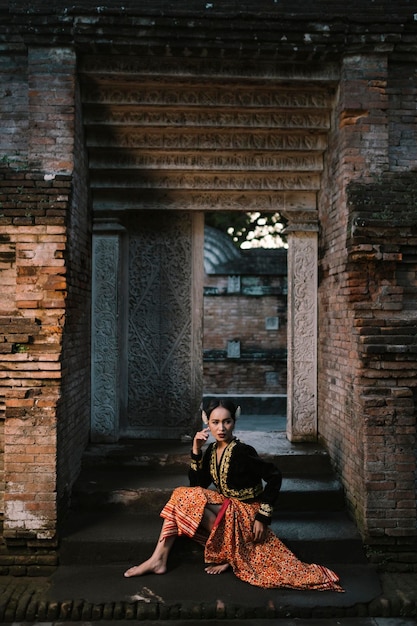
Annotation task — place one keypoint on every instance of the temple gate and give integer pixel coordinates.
(123, 125)
(166, 143)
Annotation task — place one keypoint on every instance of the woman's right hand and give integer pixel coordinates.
(200, 439)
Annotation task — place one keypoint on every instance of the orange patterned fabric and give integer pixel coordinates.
(269, 564)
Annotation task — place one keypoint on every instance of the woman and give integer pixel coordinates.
(232, 521)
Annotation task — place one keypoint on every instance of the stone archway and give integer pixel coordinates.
(195, 140)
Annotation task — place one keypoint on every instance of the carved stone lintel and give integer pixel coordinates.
(302, 336)
(202, 200)
(176, 179)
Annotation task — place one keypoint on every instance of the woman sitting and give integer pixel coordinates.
(232, 522)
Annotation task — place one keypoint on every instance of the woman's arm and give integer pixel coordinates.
(199, 472)
(272, 477)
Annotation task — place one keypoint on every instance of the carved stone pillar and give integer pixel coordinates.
(107, 336)
(302, 328)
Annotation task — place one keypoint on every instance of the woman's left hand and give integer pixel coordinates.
(259, 531)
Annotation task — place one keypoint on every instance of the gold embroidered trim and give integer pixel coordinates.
(220, 474)
(196, 465)
(266, 509)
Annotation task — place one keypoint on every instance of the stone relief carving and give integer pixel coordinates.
(205, 201)
(302, 341)
(220, 180)
(105, 347)
(168, 116)
(158, 91)
(160, 305)
(225, 139)
(294, 161)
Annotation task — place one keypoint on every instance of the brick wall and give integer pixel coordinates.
(262, 366)
(243, 317)
(367, 360)
(387, 326)
(31, 335)
(74, 405)
(44, 311)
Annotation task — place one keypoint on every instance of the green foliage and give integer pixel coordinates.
(249, 229)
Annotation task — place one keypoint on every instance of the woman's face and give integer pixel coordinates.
(221, 424)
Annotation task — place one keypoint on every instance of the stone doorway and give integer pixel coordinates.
(180, 142)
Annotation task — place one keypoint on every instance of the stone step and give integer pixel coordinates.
(114, 523)
(118, 537)
(301, 458)
(187, 592)
(292, 459)
(145, 490)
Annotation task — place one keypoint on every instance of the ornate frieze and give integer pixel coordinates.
(140, 179)
(148, 116)
(160, 91)
(207, 139)
(202, 143)
(156, 199)
(118, 158)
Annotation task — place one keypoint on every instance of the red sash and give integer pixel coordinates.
(221, 513)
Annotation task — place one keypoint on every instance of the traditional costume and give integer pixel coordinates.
(247, 488)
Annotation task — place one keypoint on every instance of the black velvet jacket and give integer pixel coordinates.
(240, 474)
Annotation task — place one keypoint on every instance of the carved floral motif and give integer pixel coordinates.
(216, 180)
(157, 91)
(206, 200)
(105, 352)
(208, 139)
(167, 116)
(208, 160)
(302, 308)
(159, 354)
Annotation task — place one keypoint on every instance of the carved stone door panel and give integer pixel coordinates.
(160, 325)
(157, 379)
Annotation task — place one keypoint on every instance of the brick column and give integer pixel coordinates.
(37, 214)
(51, 82)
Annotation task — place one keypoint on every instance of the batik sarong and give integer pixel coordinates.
(268, 564)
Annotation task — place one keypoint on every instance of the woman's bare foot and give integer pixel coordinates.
(151, 566)
(217, 569)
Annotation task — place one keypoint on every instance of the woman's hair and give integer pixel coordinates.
(225, 403)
